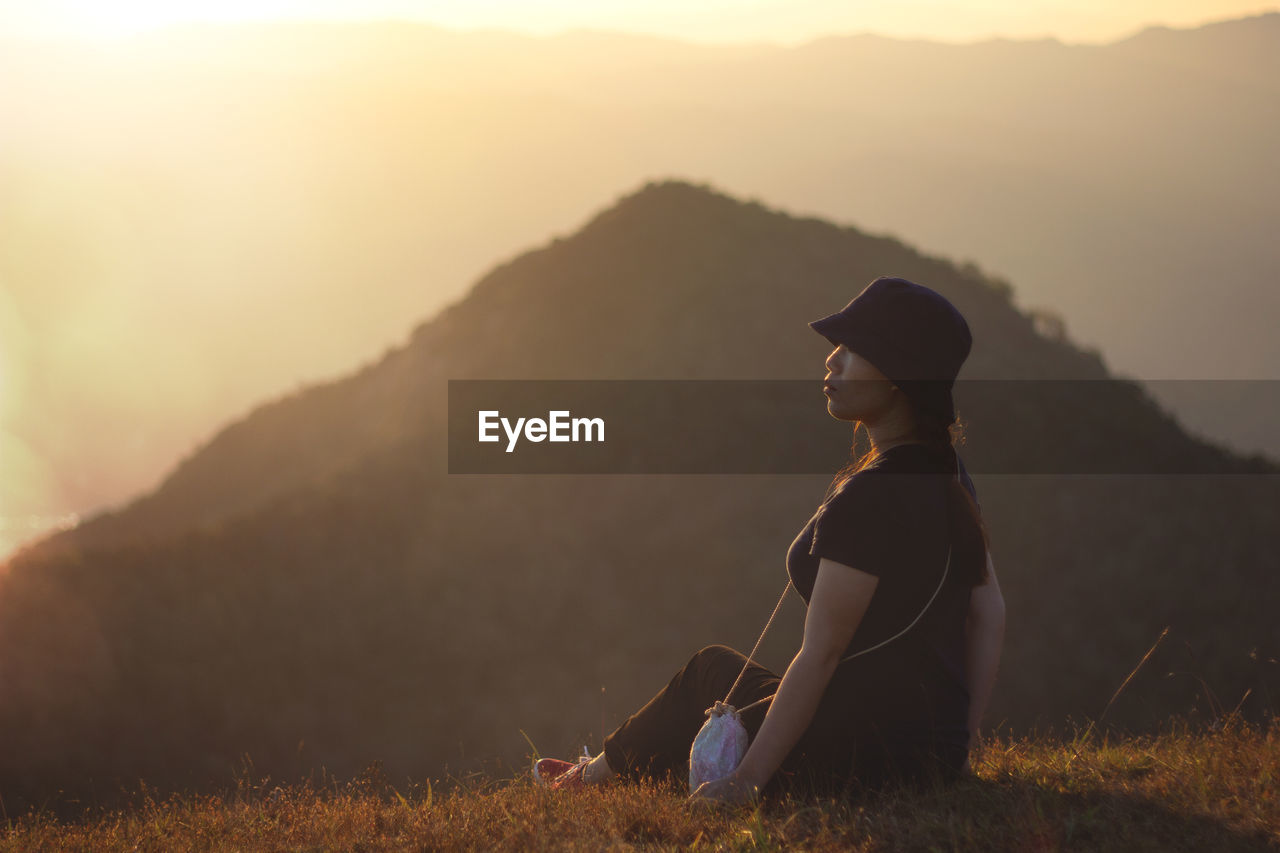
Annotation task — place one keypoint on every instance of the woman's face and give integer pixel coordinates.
(856, 390)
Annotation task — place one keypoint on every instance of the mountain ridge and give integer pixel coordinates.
(1102, 182)
(261, 437)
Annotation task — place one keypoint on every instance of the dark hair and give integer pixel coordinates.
(972, 544)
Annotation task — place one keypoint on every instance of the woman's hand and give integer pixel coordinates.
(732, 790)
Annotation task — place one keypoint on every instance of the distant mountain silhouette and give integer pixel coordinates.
(312, 588)
(1241, 50)
(1128, 188)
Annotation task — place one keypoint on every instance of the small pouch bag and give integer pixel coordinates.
(719, 746)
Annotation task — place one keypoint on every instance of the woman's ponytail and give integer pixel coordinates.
(969, 532)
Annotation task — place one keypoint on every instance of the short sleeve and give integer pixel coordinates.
(859, 526)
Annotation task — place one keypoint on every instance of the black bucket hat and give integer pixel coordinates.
(912, 335)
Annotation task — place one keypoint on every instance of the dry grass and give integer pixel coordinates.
(1180, 790)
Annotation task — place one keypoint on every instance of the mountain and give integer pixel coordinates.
(1237, 51)
(313, 589)
(231, 195)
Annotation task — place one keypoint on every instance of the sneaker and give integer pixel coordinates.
(559, 775)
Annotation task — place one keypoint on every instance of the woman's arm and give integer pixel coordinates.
(984, 636)
(839, 600)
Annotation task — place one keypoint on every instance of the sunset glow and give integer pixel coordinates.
(786, 21)
(200, 217)
(394, 391)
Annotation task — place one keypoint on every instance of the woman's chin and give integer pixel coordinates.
(836, 412)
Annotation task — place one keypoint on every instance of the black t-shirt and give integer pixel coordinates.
(891, 520)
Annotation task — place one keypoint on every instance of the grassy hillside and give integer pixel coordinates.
(1207, 789)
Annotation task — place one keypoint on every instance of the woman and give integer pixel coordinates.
(893, 565)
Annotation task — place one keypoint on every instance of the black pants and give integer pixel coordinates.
(840, 751)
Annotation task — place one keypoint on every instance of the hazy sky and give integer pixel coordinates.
(788, 21)
(130, 226)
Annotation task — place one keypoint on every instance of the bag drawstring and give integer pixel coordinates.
(756, 648)
(768, 624)
(778, 607)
